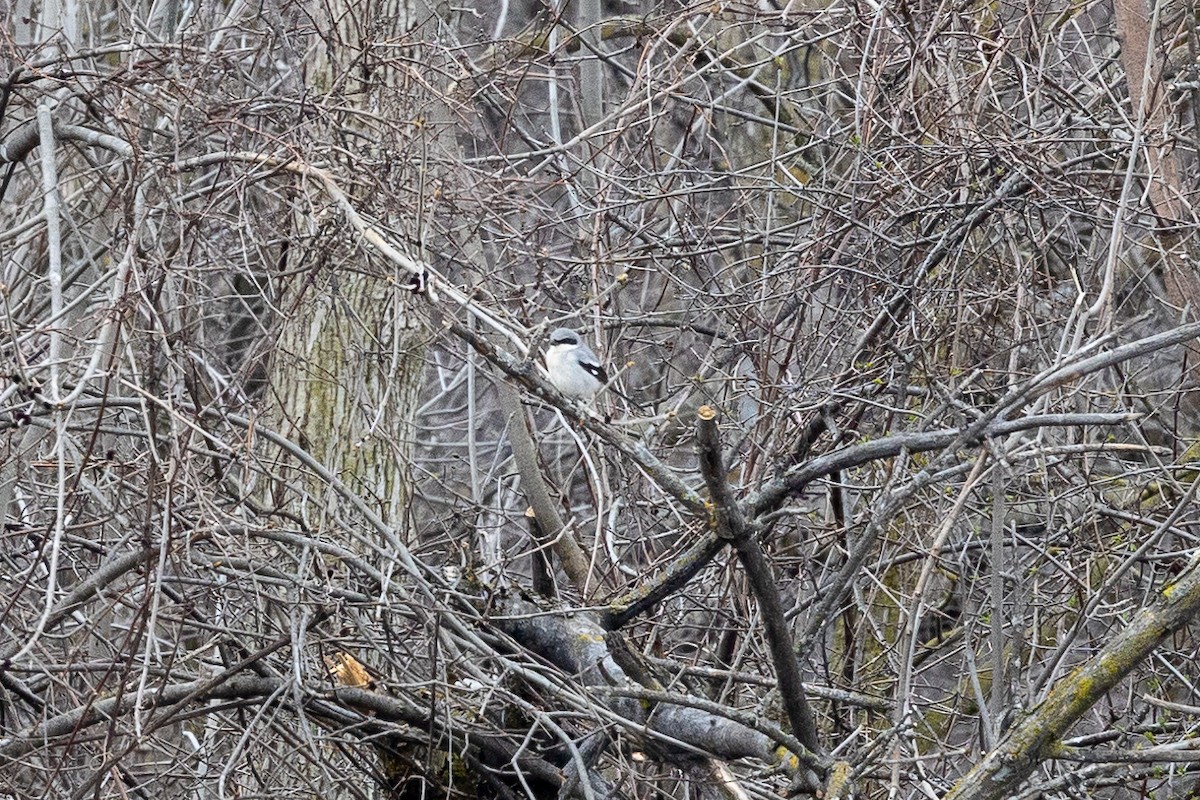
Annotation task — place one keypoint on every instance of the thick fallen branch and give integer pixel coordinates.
(576, 643)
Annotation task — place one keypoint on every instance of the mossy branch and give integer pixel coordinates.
(1037, 736)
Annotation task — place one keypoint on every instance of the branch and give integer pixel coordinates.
(796, 479)
(729, 522)
(575, 643)
(650, 593)
(748, 719)
(698, 556)
(1060, 374)
(21, 143)
(1036, 737)
(369, 714)
(427, 282)
(570, 554)
(755, 679)
(107, 708)
(101, 578)
(1013, 186)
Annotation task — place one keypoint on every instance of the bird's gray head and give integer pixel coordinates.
(564, 337)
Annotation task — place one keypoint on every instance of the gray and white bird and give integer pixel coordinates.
(572, 366)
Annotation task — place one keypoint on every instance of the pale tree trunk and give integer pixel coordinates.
(345, 375)
(346, 370)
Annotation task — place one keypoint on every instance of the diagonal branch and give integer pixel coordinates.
(730, 523)
(574, 560)
(653, 591)
(1036, 737)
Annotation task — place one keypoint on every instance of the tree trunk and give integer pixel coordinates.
(346, 370)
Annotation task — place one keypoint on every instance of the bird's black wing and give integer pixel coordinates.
(596, 371)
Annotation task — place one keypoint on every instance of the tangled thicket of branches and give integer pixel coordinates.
(893, 490)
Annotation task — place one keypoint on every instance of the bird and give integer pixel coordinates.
(572, 366)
